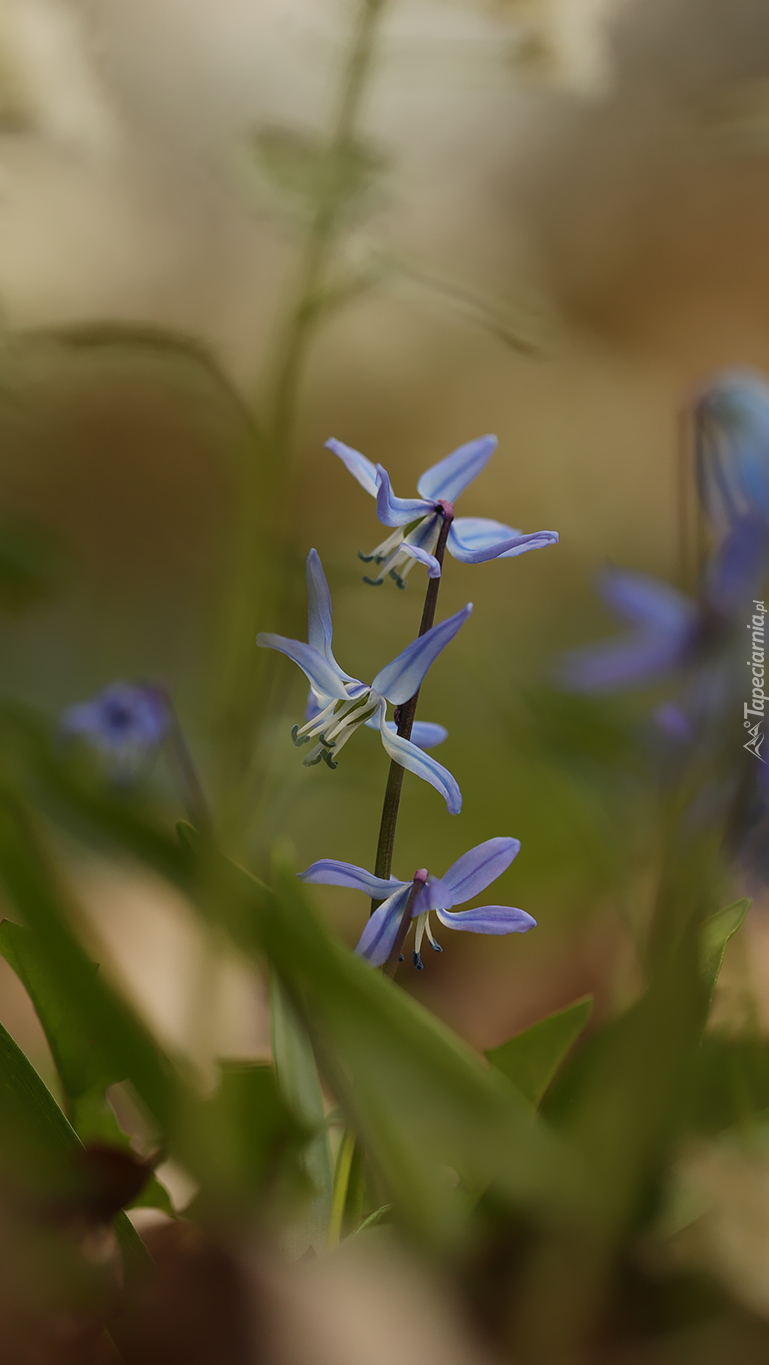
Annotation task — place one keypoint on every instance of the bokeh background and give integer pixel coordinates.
(573, 208)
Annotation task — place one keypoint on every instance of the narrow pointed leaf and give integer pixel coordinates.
(531, 1059)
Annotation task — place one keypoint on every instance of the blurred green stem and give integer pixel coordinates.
(268, 495)
(405, 717)
(341, 1183)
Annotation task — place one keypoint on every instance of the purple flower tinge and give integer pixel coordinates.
(469, 875)
(731, 420)
(127, 722)
(343, 703)
(418, 520)
(671, 631)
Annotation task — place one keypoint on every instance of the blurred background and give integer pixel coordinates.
(569, 218)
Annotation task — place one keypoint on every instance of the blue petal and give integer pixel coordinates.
(403, 677)
(732, 426)
(424, 733)
(450, 476)
(394, 511)
(321, 630)
(624, 662)
(418, 762)
(489, 919)
(360, 468)
(377, 940)
(330, 872)
(433, 567)
(474, 540)
(322, 676)
(474, 871)
(740, 566)
(646, 601)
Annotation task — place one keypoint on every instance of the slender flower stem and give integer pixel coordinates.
(405, 717)
(391, 965)
(186, 775)
(268, 493)
(341, 1185)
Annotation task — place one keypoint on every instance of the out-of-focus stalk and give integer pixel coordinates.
(267, 495)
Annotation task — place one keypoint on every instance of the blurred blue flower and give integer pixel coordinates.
(344, 703)
(731, 421)
(468, 876)
(672, 631)
(418, 520)
(127, 722)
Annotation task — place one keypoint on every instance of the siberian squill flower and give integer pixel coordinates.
(127, 722)
(731, 420)
(418, 520)
(673, 632)
(344, 703)
(468, 876)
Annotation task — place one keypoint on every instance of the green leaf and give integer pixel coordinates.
(715, 934)
(245, 1142)
(299, 1083)
(29, 1115)
(77, 1062)
(301, 166)
(122, 1045)
(531, 1059)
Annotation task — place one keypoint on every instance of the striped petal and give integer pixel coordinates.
(418, 762)
(403, 677)
(331, 872)
(394, 511)
(360, 468)
(474, 540)
(488, 919)
(474, 871)
(451, 476)
(323, 677)
(377, 940)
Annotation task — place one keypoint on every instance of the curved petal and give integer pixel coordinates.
(646, 601)
(474, 871)
(376, 941)
(424, 733)
(360, 468)
(403, 677)
(474, 540)
(433, 567)
(489, 919)
(418, 762)
(321, 630)
(622, 663)
(323, 677)
(330, 872)
(394, 511)
(450, 476)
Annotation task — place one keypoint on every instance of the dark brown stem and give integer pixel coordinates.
(405, 718)
(391, 965)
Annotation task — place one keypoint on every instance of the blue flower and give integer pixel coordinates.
(671, 631)
(127, 722)
(418, 520)
(344, 703)
(732, 443)
(424, 733)
(468, 876)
